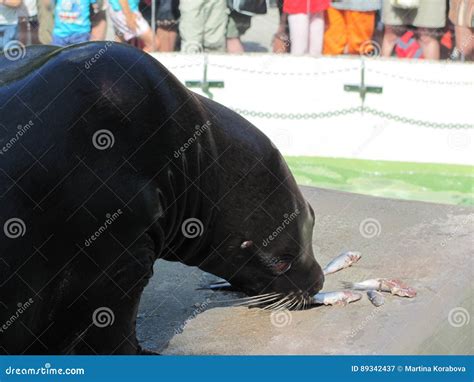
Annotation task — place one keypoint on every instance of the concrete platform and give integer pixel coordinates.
(430, 246)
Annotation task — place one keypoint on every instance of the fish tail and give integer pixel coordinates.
(349, 285)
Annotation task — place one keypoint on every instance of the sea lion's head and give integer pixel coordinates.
(264, 226)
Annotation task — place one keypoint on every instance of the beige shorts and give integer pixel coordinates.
(121, 28)
(203, 25)
(430, 14)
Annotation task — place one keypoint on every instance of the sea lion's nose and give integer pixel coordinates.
(318, 284)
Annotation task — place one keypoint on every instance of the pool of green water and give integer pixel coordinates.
(438, 183)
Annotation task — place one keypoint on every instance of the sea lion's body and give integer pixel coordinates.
(117, 158)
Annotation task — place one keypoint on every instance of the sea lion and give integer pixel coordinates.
(109, 163)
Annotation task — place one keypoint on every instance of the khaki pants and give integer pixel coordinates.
(203, 25)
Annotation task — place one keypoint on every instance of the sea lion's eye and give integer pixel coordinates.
(282, 265)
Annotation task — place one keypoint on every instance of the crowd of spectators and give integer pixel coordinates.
(406, 28)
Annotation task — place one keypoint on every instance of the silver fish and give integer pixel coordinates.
(376, 298)
(393, 286)
(339, 298)
(344, 260)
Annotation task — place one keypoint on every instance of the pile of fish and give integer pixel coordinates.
(373, 287)
(351, 293)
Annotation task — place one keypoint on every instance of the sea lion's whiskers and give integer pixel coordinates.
(294, 303)
(276, 304)
(300, 303)
(263, 297)
(256, 296)
(283, 303)
(249, 297)
(261, 300)
(286, 305)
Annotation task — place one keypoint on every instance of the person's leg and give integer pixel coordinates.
(299, 33)
(23, 31)
(429, 43)
(45, 20)
(234, 45)
(167, 38)
(360, 27)
(144, 33)
(34, 31)
(395, 21)
(389, 40)
(215, 25)
(99, 26)
(465, 42)
(316, 33)
(236, 26)
(167, 16)
(335, 37)
(191, 25)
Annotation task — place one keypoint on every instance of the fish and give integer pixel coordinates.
(376, 298)
(339, 298)
(218, 285)
(344, 260)
(395, 287)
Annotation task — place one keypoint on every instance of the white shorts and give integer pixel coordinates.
(121, 28)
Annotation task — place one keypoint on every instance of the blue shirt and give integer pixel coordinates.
(72, 17)
(133, 4)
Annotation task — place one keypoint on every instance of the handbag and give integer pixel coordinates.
(405, 4)
(249, 7)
